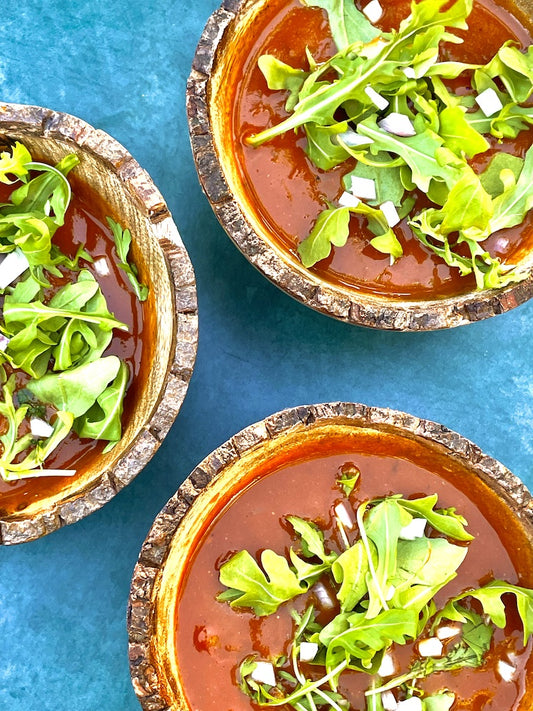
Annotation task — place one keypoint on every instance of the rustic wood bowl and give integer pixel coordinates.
(263, 447)
(209, 90)
(171, 310)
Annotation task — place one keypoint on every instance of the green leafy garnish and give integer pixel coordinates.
(122, 245)
(331, 101)
(385, 583)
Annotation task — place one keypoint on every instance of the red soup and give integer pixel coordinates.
(213, 638)
(85, 226)
(286, 192)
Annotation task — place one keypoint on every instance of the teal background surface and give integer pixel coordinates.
(122, 66)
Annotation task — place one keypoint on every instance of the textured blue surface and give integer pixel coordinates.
(122, 66)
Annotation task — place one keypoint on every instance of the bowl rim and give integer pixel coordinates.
(147, 666)
(348, 305)
(40, 122)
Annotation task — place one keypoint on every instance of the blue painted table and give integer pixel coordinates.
(122, 66)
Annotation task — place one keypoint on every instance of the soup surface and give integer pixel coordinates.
(286, 192)
(212, 639)
(84, 227)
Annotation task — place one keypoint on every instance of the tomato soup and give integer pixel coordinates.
(286, 192)
(84, 226)
(212, 639)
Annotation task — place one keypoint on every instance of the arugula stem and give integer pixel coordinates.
(313, 686)
(360, 512)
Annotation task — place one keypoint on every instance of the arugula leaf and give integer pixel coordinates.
(491, 177)
(439, 702)
(13, 445)
(514, 69)
(490, 598)
(348, 24)
(514, 203)
(351, 570)
(103, 419)
(445, 521)
(312, 539)
(76, 390)
(331, 228)
(458, 134)
(281, 76)
(122, 240)
(348, 478)
(14, 163)
(250, 587)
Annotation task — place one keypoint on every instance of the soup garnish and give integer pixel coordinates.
(56, 326)
(384, 590)
(391, 102)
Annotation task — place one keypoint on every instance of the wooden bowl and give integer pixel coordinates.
(264, 447)
(210, 125)
(170, 311)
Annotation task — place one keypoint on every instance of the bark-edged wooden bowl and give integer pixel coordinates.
(210, 125)
(170, 311)
(164, 556)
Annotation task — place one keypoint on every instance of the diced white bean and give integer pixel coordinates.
(391, 213)
(506, 671)
(364, 188)
(413, 530)
(430, 647)
(348, 200)
(448, 632)
(12, 266)
(344, 516)
(409, 72)
(412, 704)
(101, 267)
(4, 342)
(388, 701)
(40, 428)
(378, 100)
(373, 11)
(388, 665)
(353, 140)
(324, 596)
(308, 651)
(489, 102)
(398, 125)
(264, 673)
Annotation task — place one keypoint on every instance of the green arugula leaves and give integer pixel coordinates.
(402, 67)
(385, 583)
(56, 335)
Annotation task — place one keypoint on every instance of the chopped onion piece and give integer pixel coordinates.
(308, 651)
(409, 72)
(348, 200)
(264, 673)
(489, 102)
(11, 267)
(430, 647)
(40, 428)
(388, 701)
(364, 188)
(54, 472)
(378, 100)
(353, 140)
(101, 267)
(506, 671)
(388, 665)
(388, 208)
(398, 125)
(413, 530)
(344, 516)
(373, 11)
(448, 632)
(324, 596)
(4, 342)
(412, 704)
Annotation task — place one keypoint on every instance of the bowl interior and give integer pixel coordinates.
(343, 300)
(487, 482)
(125, 193)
